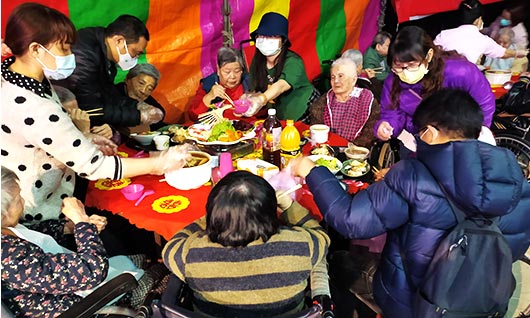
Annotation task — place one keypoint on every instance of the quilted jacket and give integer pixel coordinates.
(410, 207)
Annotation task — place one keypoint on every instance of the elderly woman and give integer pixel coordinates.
(505, 39)
(365, 78)
(139, 83)
(348, 110)
(265, 265)
(29, 287)
(229, 80)
(39, 141)
(278, 74)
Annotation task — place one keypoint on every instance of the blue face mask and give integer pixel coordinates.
(505, 22)
(65, 66)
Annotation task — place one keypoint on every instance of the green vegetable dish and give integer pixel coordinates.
(220, 129)
(331, 164)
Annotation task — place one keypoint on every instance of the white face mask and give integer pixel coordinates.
(65, 66)
(126, 61)
(268, 46)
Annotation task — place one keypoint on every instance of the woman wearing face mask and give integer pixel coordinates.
(419, 68)
(512, 16)
(467, 39)
(230, 79)
(278, 74)
(39, 141)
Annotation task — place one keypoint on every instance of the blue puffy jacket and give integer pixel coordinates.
(410, 206)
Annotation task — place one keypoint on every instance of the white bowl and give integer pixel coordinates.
(357, 153)
(319, 133)
(145, 138)
(336, 162)
(498, 77)
(188, 178)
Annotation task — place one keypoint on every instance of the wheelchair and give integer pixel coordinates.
(512, 132)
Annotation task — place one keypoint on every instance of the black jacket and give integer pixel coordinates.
(93, 81)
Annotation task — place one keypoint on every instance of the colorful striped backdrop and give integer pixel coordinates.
(185, 35)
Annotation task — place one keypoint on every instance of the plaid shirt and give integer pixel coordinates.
(348, 119)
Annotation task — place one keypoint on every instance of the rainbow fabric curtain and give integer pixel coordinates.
(186, 34)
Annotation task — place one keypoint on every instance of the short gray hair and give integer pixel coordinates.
(145, 68)
(65, 95)
(346, 62)
(355, 55)
(9, 182)
(227, 55)
(506, 31)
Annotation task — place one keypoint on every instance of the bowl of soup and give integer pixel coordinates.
(498, 77)
(145, 138)
(196, 172)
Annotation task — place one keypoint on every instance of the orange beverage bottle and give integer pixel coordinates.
(289, 143)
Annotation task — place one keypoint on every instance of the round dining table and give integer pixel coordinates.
(169, 210)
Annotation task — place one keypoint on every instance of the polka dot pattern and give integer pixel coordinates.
(54, 118)
(4, 153)
(38, 184)
(42, 89)
(77, 143)
(46, 166)
(68, 178)
(29, 121)
(6, 129)
(70, 163)
(94, 159)
(47, 141)
(22, 168)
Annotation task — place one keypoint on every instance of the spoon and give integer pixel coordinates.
(146, 193)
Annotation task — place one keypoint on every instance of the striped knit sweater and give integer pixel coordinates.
(260, 279)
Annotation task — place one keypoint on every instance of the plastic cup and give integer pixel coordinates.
(319, 133)
(161, 142)
(133, 191)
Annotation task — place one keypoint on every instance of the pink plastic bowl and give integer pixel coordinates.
(133, 191)
(241, 106)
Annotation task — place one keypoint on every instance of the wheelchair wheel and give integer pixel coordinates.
(385, 154)
(519, 147)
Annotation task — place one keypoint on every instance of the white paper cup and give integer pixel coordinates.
(319, 133)
(161, 142)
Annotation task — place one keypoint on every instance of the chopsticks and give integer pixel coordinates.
(374, 169)
(226, 97)
(91, 112)
(377, 68)
(293, 189)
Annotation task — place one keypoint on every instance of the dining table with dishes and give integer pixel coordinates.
(152, 203)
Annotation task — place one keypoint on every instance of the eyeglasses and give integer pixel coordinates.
(411, 68)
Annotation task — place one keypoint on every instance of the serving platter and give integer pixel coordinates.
(200, 133)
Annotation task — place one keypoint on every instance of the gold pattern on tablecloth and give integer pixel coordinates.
(109, 184)
(122, 154)
(170, 204)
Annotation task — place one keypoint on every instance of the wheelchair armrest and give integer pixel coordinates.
(101, 296)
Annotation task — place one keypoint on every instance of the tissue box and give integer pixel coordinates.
(258, 167)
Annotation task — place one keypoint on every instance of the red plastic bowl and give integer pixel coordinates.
(241, 106)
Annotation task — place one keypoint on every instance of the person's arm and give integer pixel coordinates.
(393, 117)
(370, 60)
(26, 267)
(174, 251)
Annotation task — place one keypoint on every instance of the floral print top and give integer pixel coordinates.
(37, 284)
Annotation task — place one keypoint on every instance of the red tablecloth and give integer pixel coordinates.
(144, 216)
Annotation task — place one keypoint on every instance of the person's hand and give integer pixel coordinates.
(380, 174)
(74, 210)
(218, 91)
(257, 100)
(369, 72)
(99, 221)
(81, 119)
(171, 159)
(521, 53)
(6, 50)
(104, 130)
(284, 201)
(149, 114)
(384, 131)
(301, 166)
(105, 145)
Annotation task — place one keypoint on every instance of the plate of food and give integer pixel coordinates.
(333, 164)
(354, 168)
(224, 133)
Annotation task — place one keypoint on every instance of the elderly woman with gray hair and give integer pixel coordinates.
(347, 109)
(229, 79)
(139, 83)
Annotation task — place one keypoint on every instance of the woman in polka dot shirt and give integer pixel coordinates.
(39, 141)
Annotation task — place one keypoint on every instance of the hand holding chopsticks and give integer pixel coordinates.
(225, 96)
(92, 112)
